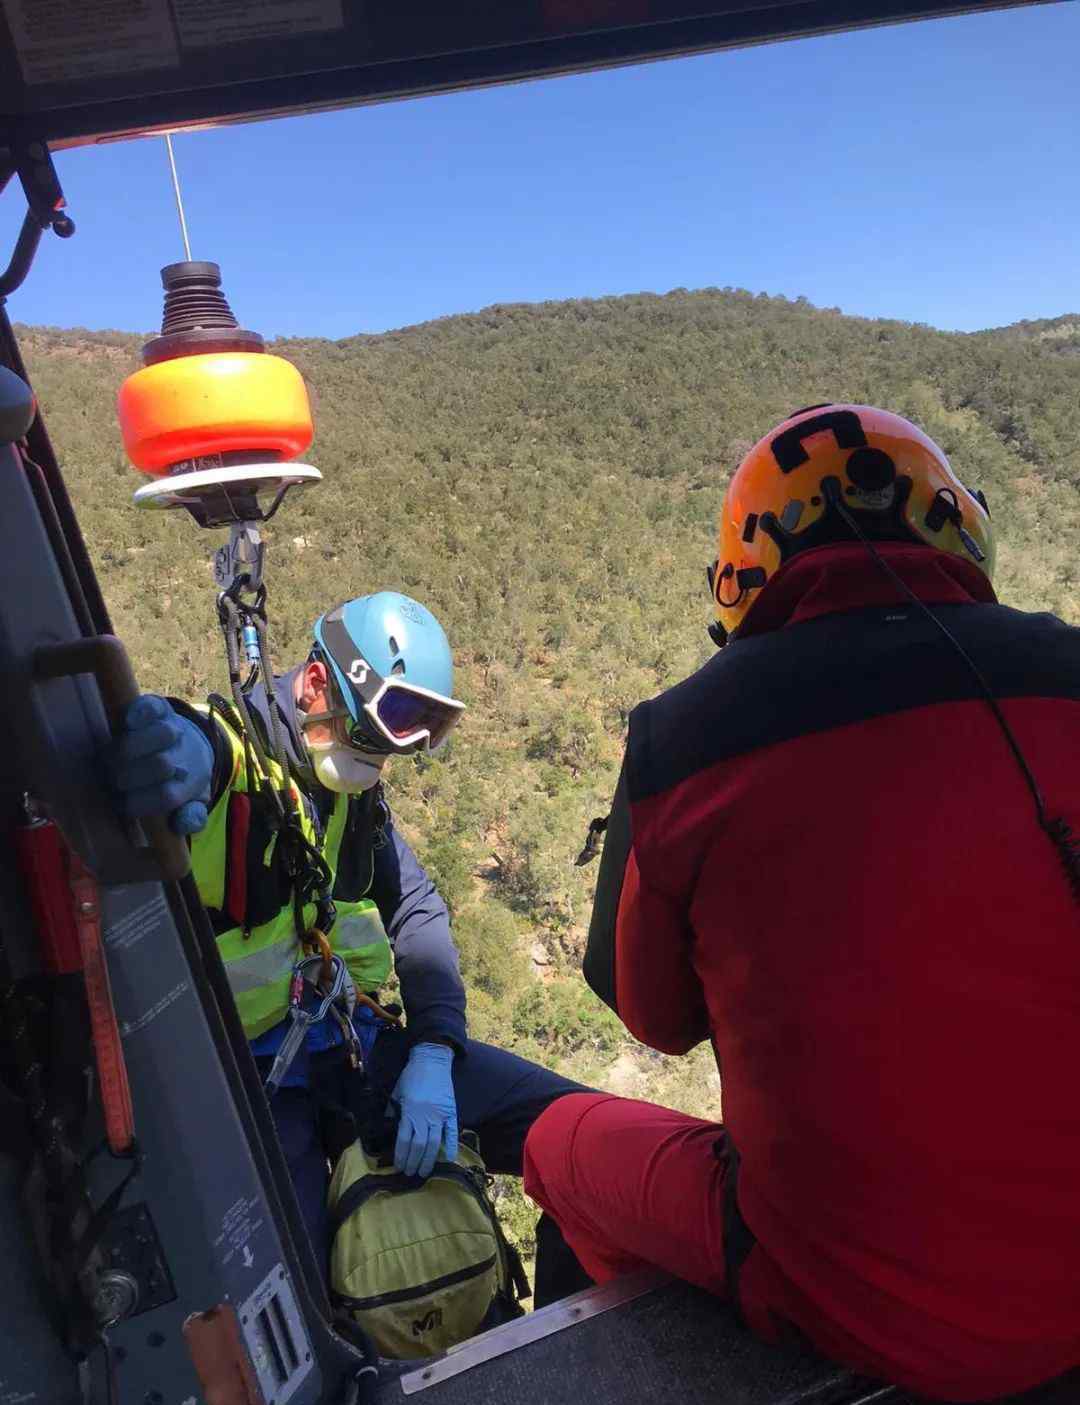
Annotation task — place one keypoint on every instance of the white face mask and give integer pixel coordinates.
(345, 770)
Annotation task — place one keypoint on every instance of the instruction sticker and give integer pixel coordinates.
(128, 931)
(65, 41)
(242, 1220)
(203, 24)
(130, 1027)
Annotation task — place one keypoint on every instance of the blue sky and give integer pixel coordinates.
(926, 172)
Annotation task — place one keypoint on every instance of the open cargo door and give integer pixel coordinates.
(127, 1260)
(178, 1271)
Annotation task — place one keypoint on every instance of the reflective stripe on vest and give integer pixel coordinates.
(259, 963)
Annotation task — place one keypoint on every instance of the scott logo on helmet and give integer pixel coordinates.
(358, 672)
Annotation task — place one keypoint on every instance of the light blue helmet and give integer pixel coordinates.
(391, 661)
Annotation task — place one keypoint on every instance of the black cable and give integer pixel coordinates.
(317, 877)
(309, 871)
(1057, 830)
(112, 1385)
(87, 1393)
(229, 616)
(91, 1233)
(277, 722)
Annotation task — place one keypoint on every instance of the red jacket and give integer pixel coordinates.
(824, 857)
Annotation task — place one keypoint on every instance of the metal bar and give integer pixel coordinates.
(55, 506)
(179, 198)
(533, 1328)
(26, 246)
(106, 658)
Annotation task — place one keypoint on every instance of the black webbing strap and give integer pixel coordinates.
(738, 1236)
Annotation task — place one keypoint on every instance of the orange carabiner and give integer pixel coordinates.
(318, 943)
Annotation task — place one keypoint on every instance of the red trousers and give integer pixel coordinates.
(631, 1184)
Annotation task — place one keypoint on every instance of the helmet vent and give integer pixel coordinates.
(399, 666)
(394, 648)
(871, 469)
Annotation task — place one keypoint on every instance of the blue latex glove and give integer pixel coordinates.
(161, 764)
(424, 1095)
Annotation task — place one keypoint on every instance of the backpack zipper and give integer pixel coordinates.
(404, 1295)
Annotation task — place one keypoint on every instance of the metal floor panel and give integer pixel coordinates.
(669, 1342)
(673, 1343)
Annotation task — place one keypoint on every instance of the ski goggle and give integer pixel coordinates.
(388, 715)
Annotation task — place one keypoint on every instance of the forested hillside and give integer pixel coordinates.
(547, 478)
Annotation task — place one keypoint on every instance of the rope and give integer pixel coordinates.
(229, 615)
(308, 870)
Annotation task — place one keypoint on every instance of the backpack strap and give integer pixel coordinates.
(363, 1188)
(361, 1191)
(515, 1269)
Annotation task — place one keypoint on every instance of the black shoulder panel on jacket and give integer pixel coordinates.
(842, 669)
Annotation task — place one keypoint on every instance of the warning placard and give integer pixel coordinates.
(65, 41)
(204, 24)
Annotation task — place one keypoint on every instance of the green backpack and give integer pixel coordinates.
(420, 1265)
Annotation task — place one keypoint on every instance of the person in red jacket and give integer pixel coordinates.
(843, 851)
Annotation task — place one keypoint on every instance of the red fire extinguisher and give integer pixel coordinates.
(67, 914)
(42, 859)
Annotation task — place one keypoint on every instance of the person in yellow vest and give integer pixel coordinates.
(308, 867)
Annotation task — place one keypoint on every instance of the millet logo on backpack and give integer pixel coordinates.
(428, 1322)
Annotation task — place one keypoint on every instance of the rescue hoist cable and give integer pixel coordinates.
(179, 197)
(216, 422)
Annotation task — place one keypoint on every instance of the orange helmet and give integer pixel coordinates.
(802, 484)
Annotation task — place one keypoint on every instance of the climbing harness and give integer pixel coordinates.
(242, 616)
(334, 996)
